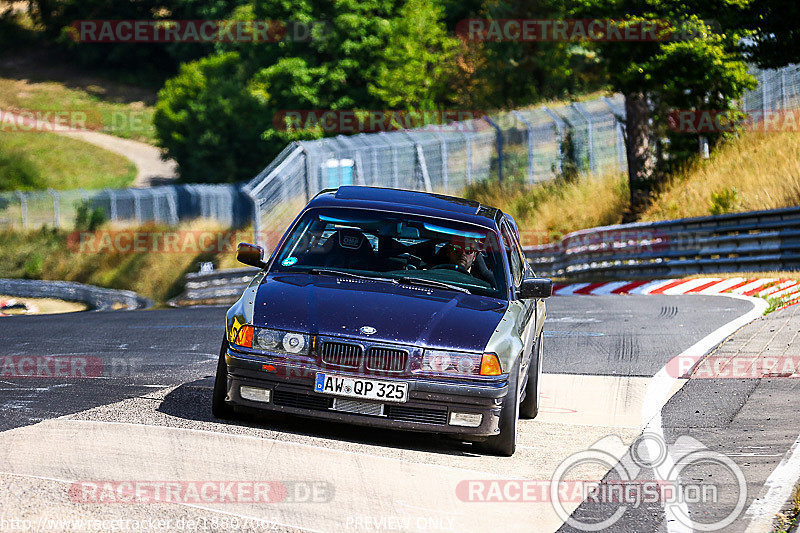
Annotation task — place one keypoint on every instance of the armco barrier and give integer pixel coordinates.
(737, 242)
(96, 298)
(214, 288)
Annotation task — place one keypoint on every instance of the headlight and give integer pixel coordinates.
(445, 362)
(273, 340)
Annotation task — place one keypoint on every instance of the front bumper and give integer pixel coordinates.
(427, 409)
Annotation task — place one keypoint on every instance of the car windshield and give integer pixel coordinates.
(398, 248)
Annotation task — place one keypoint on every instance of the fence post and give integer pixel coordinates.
(445, 175)
(763, 94)
(560, 134)
(172, 205)
(23, 207)
(468, 145)
(112, 201)
(499, 143)
(56, 208)
(620, 136)
(426, 179)
(156, 208)
(137, 206)
(783, 89)
(529, 127)
(590, 133)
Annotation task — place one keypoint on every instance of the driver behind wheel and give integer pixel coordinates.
(463, 254)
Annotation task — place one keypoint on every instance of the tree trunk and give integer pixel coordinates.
(638, 146)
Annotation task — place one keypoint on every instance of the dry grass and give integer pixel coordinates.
(159, 275)
(547, 211)
(755, 171)
(789, 520)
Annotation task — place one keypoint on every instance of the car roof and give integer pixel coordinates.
(417, 202)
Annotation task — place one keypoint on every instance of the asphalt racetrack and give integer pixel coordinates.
(129, 402)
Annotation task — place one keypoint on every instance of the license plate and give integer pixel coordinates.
(369, 389)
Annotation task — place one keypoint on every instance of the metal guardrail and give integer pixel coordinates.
(219, 287)
(97, 298)
(737, 242)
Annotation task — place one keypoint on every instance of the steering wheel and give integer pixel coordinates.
(450, 266)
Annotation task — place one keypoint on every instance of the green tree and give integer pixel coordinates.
(419, 59)
(688, 66)
(209, 124)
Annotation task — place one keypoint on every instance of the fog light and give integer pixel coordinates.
(469, 420)
(254, 394)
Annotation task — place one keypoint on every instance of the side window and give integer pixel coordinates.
(513, 253)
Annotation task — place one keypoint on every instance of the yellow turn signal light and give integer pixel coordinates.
(490, 365)
(244, 337)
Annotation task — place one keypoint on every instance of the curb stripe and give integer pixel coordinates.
(758, 286)
(660, 290)
(705, 285)
(629, 287)
(724, 285)
(589, 288)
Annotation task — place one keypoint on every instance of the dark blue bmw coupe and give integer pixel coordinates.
(390, 308)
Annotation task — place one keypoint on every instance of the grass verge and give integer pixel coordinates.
(547, 211)
(156, 274)
(84, 105)
(39, 160)
(789, 520)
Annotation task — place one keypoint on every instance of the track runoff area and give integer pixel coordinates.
(621, 441)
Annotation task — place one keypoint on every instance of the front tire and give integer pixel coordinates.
(505, 443)
(219, 407)
(529, 407)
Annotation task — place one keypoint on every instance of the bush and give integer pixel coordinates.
(17, 171)
(209, 124)
(725, 201)
(88, 218)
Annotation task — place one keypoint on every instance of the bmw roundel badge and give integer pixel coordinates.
(368, 330)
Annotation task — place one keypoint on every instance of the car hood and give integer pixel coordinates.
(404, 314)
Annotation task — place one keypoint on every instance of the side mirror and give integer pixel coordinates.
(535, 288)
(250, 254)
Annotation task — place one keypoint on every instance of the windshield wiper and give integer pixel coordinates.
(333, 272)
(431, 283)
